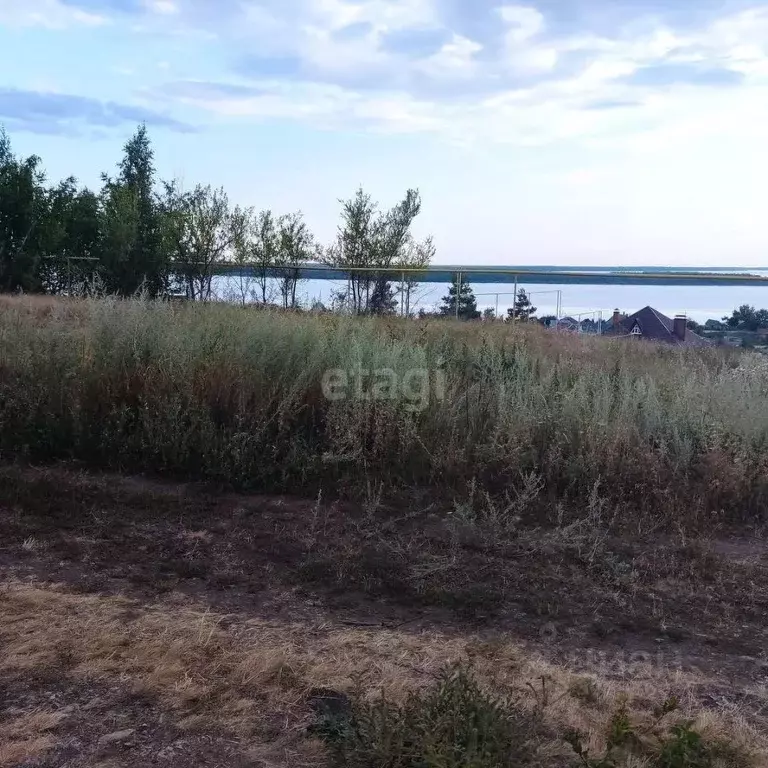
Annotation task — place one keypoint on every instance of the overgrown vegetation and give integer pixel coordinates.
(659, 744)
(502, 423)
(453, 725)
(456, 724)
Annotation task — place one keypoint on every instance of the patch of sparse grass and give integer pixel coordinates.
(258, 680)
(26, 737)
(659, 744)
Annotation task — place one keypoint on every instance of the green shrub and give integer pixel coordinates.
(658, 745)
(453, 725)
(456, 724)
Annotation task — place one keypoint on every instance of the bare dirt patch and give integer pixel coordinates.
(202, 622)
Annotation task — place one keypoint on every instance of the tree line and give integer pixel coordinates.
(461, 302)
(746, 318)
(142, 234)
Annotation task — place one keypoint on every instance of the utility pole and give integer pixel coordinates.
(458, 292)
(514, 303)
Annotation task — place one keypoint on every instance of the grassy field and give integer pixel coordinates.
(526, 550)
(495, 417)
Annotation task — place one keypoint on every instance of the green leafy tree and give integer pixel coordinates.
(23, 218)
(134, 257)
(264, 246)
(414, 257)
(355, 247)
(369, 239)
(296, 245)
(466, 301)
(72, 238)
(747, 318)
(201, 232)
(242, 285)
(119, 228)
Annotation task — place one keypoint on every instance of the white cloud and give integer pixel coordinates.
(523, 23)
(455, 59)
(592, 104)
(521, 83)
(162, 7)
(52, 14)
(523, 52)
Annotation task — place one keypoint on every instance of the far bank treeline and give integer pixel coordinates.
(138, 233)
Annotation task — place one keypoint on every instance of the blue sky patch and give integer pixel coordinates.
(660, 75)
(57, 112)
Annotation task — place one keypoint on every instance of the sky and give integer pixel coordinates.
(544, 132)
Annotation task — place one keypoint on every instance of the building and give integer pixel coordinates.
(568, 324)
(651, 325)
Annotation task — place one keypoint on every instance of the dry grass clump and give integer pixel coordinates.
(257, 679)
(26, 737)
(235, 396)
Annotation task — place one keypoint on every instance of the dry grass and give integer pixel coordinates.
(234, 396)
(533, 490)
(25, 737)
(252, 678)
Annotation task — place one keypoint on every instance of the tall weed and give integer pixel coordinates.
(235, 395)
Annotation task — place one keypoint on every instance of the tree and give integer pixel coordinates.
(242, 283)
(296, 245)
(368, 240)
(489, 313)
(355, 247)
(133, 256)
(522, 309)
(23, 216)
(383, 300)
(201, 232)
(72, 238)
(265, 249)
(413, 256)
(466, 301)
(747, 318)
(119, 227)
(392, 235)
(714, 325)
